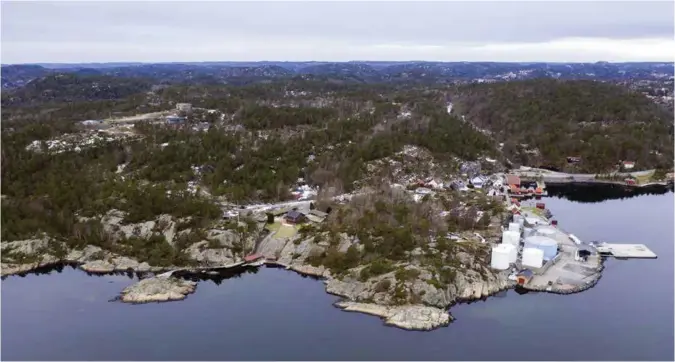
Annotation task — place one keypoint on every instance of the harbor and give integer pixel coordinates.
(543, 257)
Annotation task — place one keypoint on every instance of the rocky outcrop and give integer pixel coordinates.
(113, 224)
(91, 259)
(207, 256)
(410, 317)
(158, 289)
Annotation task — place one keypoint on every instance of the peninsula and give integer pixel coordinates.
(405, 198)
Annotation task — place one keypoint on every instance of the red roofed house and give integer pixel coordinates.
(513, 180)
(628, 165)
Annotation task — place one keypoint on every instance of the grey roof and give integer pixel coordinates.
(294, 214)
(318, 213)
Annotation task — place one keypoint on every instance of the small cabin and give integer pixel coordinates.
(295, 217)
(524, 277)
(628, 165)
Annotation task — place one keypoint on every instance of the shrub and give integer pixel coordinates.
(382, 286)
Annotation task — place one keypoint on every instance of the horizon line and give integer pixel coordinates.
(335, 61)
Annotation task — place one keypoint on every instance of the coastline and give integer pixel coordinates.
(419, 316)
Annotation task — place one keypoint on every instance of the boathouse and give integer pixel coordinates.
(252, 258)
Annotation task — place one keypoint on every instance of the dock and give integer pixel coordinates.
(626, 251)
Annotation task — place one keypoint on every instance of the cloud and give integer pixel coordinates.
(451, 31)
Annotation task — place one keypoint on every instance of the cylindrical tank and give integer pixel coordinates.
(533, 258)
(511, 237)
(500, 257)
(527, 231)
(548, 231)
(513, 253)
(544, 243)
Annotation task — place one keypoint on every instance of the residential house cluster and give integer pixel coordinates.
(302, 191)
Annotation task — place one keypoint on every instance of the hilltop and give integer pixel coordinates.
(542, 122)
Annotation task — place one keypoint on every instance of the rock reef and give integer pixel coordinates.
(158, 289)
(410, 317)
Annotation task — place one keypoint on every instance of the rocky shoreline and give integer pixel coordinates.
(419, 302)
(409, 317)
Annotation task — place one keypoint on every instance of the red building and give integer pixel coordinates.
(253, 257)
(513, 180)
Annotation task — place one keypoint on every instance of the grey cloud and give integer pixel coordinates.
(185, 24)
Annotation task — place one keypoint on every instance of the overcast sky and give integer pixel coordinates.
(107, 31)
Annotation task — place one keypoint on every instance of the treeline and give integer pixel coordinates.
(602, 123)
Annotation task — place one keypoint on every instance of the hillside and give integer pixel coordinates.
(64, 88)
(541, 122)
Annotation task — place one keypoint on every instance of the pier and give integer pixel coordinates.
(626, 251)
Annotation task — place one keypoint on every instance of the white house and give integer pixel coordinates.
(477, 182)
(628, 165)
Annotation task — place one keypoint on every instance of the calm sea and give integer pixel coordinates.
(277, 315)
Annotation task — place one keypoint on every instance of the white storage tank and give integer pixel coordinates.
(527, 232)
(544, 243)
(533, 258)
(514, 226)
(521, 222)
(513, 253)
(500, 256)
(545, 231)
(511, 237)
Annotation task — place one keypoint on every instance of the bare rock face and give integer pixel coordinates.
(205, 256)
(411, 317)
(15, 252)
(225, 238)
(164, 224)
(98, 266)
(158, 289)
(14, 268)
(311, 270)
(26, 247)
(89, 253)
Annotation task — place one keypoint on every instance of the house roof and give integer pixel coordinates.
(252, 257)
(294, 214)
(318, 213)
(526, 273)
(513, 179)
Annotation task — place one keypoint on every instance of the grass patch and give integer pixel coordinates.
(643, 179)
(535, 211)
(286, 231)
(273, 228)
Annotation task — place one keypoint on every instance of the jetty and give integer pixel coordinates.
(625, 251)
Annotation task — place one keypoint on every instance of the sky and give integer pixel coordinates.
(177, 31)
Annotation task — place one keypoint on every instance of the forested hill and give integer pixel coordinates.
(60, 88)
(602, 123)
